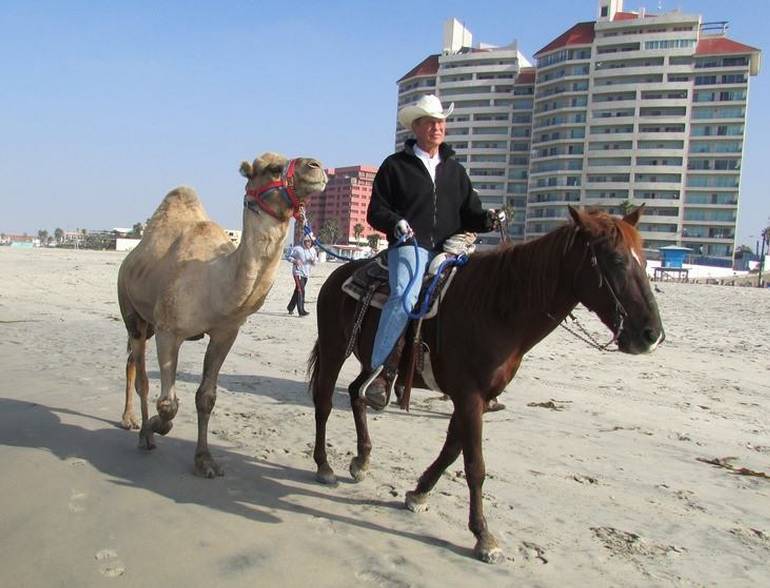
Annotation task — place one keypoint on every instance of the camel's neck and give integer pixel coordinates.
(251, 267)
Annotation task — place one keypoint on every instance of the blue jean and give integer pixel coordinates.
(403, 263)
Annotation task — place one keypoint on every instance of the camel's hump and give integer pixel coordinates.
(181, 205)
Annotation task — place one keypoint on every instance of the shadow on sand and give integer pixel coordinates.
(258, 490)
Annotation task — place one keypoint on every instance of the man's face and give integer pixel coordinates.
(429, 132)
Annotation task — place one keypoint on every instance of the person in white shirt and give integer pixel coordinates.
(302, 258)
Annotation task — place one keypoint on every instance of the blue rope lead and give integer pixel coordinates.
(425, 305)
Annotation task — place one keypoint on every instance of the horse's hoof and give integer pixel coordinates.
(326, 476)
(206, 467)
(146, 439)
(488, 551)
(357, 469)
(160, 426)
(416, 502)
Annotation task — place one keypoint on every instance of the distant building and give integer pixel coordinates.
(643, 108)
(630, 108)
(344, 202)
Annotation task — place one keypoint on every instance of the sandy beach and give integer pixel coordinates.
(598, 470)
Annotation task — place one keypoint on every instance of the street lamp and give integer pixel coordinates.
(765, 238)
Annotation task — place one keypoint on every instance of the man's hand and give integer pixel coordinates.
(403, 229)
(497, 216)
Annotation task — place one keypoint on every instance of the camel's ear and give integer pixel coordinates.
(246, 169)
(633, 217)
(575, 214)
(271, 163)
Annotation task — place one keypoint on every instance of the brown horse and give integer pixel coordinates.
(499, 306)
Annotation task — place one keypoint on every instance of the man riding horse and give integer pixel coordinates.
(421, 193)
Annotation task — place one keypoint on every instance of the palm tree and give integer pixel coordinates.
(358, 230)
(626, 206)
(137, 230)
(329, 231)
(42, 234)
(374, 241)
(58, 235)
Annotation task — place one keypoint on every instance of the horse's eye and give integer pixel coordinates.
(618, 260)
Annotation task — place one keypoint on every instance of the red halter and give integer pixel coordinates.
(285, 186)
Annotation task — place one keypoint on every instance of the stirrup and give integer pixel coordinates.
(376, 399)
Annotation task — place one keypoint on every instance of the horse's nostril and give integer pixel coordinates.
(651, 335)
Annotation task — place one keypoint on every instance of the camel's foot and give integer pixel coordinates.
(358, 468)
(167, 409)
(487, 549)
(325, 475)
(129, 421)
(416, 502)
(206, 467)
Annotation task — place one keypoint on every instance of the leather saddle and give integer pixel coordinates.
(369, 283)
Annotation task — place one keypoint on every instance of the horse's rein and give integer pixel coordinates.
(285, 186)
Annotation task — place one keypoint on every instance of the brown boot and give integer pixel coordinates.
(378, 387)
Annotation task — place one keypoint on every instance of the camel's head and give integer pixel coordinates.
(279, 187)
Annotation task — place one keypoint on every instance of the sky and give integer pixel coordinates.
(106, 106)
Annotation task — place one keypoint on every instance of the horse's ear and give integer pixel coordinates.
(575, 214)
(633, 217)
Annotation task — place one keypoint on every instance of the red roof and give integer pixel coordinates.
(427, 67)
(625, 16)
(526, 75)
(719, 45)
(581, 34)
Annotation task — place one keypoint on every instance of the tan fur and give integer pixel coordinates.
(185, 278)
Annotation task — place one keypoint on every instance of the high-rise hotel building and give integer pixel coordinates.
(631, 108)
(490, 126)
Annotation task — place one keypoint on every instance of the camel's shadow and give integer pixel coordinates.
(257, 489)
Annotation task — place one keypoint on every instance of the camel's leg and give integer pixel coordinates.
(417, 499)
(328, 368)
(216, 352)
(168, 353)
(469, 412)
(360, 463)
(129, 419)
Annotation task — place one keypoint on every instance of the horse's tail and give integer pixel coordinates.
(312, 369)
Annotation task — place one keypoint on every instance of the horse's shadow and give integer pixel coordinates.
(255, 489)
(292, 392)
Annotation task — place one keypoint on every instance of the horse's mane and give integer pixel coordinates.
(529, 274)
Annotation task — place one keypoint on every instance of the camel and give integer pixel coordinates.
(185, 279)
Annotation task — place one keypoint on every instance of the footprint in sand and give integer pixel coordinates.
(76, 501)
(378, 578)
(323, 525)
(110, 565)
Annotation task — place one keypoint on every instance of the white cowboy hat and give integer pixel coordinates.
(427, 105)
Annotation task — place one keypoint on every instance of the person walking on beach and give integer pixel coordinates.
(302, 258)
(420, 193)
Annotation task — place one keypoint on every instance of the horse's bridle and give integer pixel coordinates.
(620, 312)
(285, 186)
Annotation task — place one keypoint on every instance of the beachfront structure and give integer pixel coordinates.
(643, 108)
(343, 202)
(628, 109)
(491, 88)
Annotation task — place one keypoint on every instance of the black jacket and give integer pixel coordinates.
(403, 190)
